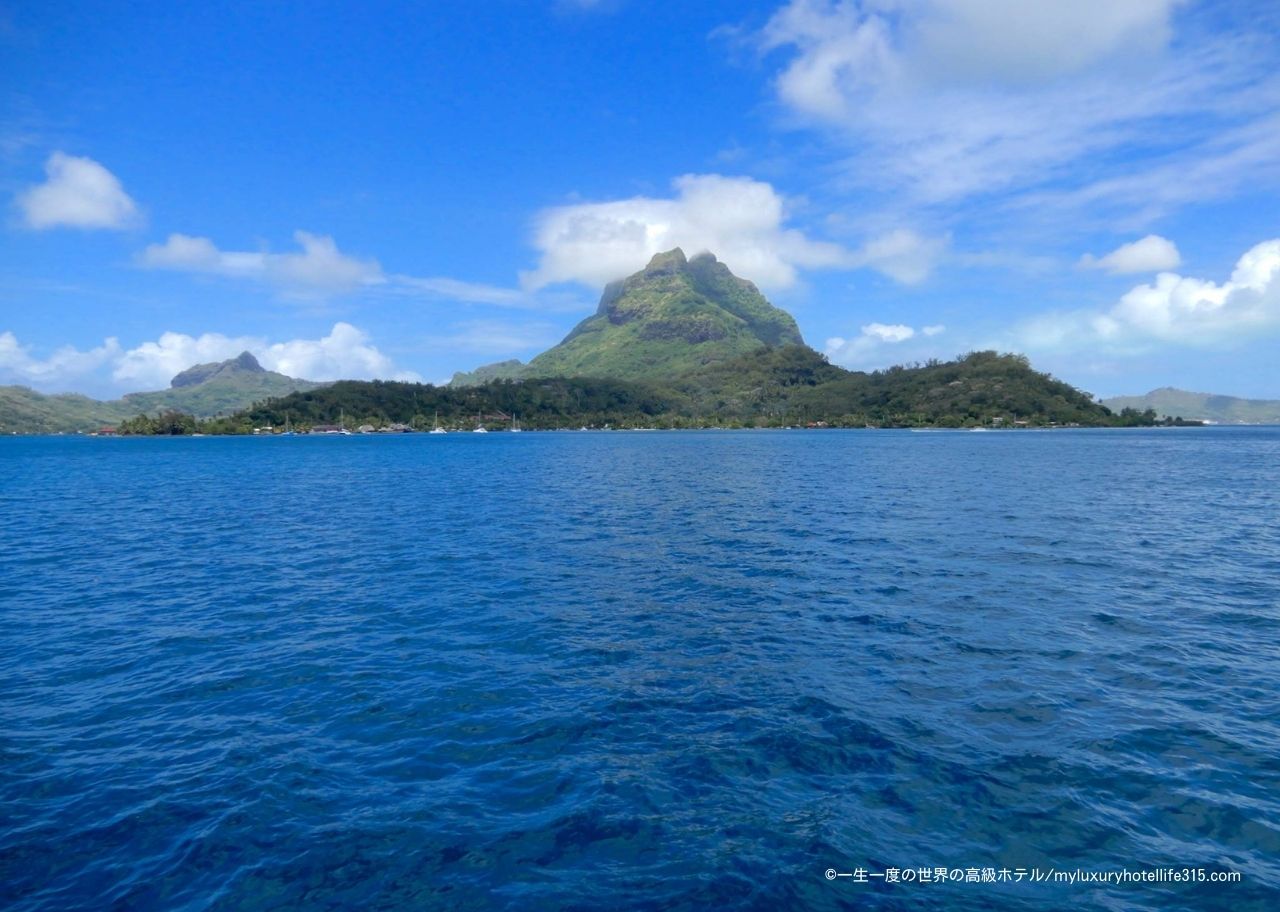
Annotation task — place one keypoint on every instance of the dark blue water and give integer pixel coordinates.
(639, 671)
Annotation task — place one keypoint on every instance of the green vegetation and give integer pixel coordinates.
(221, 395)
(683, 343)
(206, 390)
(539, 403)
(771, 387)
(169, 423)
(1201, 406)
(674, 316)
(24, 411)
(982, 388)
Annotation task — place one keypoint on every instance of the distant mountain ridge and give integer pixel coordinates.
(1201, 406)
(204, 390)
(675, 315)
(243, 363)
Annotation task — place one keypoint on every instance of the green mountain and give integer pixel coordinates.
(24, 411)
(674, 316)
(1201, 406)
(204, 390)
(218, 388)
(683, 343)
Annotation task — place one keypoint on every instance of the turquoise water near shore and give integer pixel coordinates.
(686, 670)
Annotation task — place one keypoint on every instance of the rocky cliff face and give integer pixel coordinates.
(244, 363)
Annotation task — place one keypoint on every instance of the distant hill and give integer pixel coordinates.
(673, 316)
(1201, 406)
(204, 390)
(24, 411)
(218, 388)
(501, 370)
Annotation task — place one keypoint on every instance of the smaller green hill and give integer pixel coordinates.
(219, 388)
(204, 391)
(1201, 406)
(501, 370)
(24, 411)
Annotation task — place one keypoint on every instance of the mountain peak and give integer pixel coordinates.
(673, 314)
(667, 263)
(246, 361)
(243, 363)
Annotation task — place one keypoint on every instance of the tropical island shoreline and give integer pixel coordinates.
(683, 343)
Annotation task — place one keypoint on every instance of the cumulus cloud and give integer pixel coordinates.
(77, 193)
(1150, 254)
(881, 344)
(896, 332)
(947, 99)
(346, 352)
(152, 365)
(19, 365)
(319, 269)
(1174, 309)
(741, 220)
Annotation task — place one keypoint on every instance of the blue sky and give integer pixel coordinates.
(407, 190)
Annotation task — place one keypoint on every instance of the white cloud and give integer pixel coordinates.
(321, 269)
(78, 193)
(741, 220)
(345, 353)
(1173, 309)
(1223, 163)
(936, 101)
(903, 255)
(849, 51)
(882, 344)
(152, 365)
(1016, 41)
(1150, 254)
(318, 270)
(895, 332)
(18, 365)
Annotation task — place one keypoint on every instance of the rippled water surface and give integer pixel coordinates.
(638, 671)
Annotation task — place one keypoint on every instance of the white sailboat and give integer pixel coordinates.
(515, 424)
(435, 424)
(480, 429)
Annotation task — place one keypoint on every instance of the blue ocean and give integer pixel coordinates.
(759, 670)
